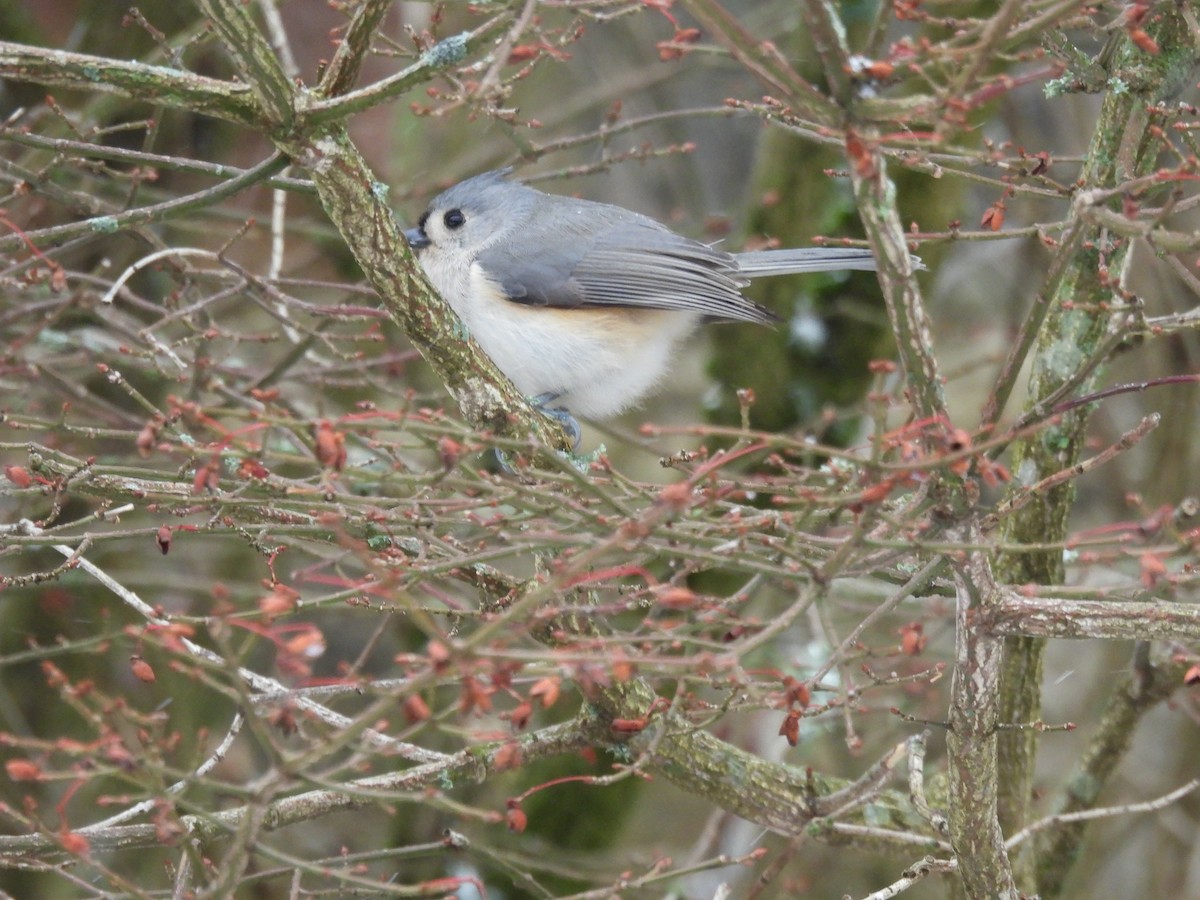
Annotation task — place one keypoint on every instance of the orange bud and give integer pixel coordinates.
(993, 216)
(547, 690)
(516, 820)
(74, 843)
(522, 53)
(678, 495)
(913, 639)
(142, 670)
(439, 655)
(416, 709)
(449, 451)
(629, 726)
(1144, 41)
(22, 770)
(673, 597)
(309, 643)
(330, 446)
(18, 475)
(507, 757)
(1153, 569)
(519, 717)
(282, 599)
(880, 70)
(146, 438)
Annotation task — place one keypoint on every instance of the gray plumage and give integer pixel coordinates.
(566, 253)
(582, 304)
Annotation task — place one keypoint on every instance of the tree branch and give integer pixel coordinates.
(153, 84)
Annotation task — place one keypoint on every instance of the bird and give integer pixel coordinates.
(582, 304)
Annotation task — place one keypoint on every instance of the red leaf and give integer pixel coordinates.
(797, 692)
(790, 728)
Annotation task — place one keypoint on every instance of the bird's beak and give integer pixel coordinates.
(417, 239)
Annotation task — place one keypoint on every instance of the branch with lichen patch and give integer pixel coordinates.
(154, 84)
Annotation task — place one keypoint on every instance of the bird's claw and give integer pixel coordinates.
(560, 415)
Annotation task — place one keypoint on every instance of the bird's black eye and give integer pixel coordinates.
(454, 219)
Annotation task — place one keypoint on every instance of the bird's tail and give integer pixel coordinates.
(808, 259)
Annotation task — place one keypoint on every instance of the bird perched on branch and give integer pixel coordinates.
(582, 304)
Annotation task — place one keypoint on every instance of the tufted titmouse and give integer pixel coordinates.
(579, 303)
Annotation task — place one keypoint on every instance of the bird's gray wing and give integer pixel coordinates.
(607, 256)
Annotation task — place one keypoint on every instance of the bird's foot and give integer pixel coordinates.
(560, 415)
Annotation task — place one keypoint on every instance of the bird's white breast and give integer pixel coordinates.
(598, 361)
